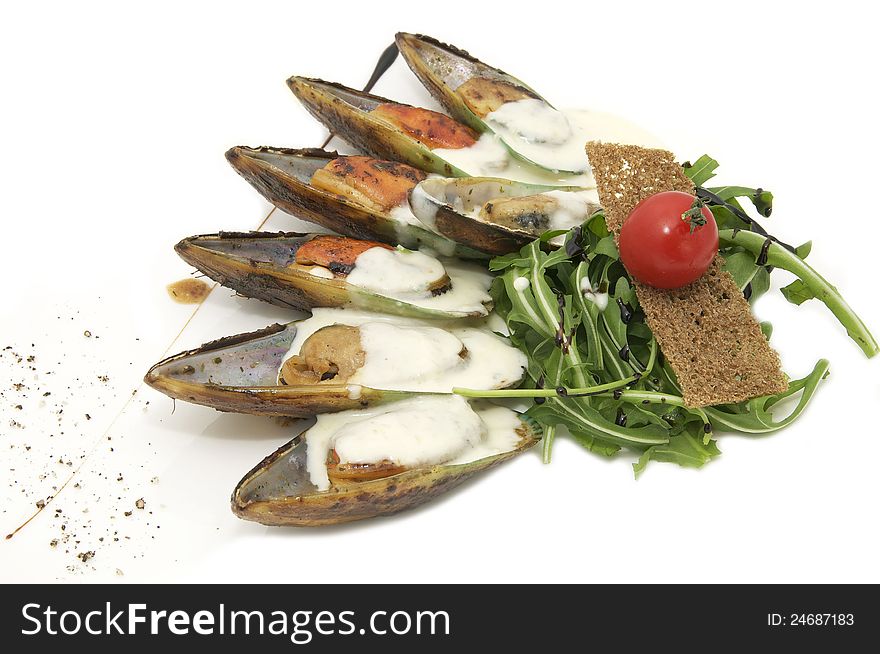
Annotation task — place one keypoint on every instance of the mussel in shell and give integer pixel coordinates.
(436, 143)
(302, 271)
(384, 128)
(281, 490)
(316, 365)
(466, 87)
(496, 215)
(354, 196)
(240, 374)
(489, 100)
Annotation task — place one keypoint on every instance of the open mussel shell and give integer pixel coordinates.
(278, 491)
(282, 176)
(240, 374)
(263, 266)
(450, 207)
(346, 113)
(443, 69)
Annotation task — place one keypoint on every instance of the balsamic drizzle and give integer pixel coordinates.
(572, 245)
(624, 353)
(540, 384)
(712, 199)
(626, 312)
(387, 58)
(620, 420)
(561, 340)
(762, 257)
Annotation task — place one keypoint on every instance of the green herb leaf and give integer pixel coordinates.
(741, 266)
(762, 200)
(755, 416)
(595, 446)
(685, 449)
(726, 219)
(797, 292)
(803, 250)
(702, 170)
(760, 284)
(777, 256)
(582, 419)
(607, 247)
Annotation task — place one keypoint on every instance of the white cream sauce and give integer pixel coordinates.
(408, 354)
(573, 209)
(408, 274)
(593, 295)
(489, 157)
(410, 357)
(398, 272)
(404, 218)
(354, 391)
(468, 295)
(541, 134)
(500, 435)
(424, 430)
(403, 215)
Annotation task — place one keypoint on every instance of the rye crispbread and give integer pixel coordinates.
(706, 329)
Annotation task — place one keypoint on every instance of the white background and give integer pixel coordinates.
(113, 124)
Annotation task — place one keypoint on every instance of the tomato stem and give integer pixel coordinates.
(694, 215)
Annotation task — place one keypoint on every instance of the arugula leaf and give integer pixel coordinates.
(755, 416)
(753, 280)
(760, 284)
(726, 219)
(702, 170)
(512, 260)
(581, 418)
(779, 257)
(606, 246)
(741, 266)
(685, 449)
(593, 445)
(762, 200)
(797, 292)
(611, 317)
(803, 250)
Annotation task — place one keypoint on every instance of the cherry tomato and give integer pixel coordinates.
(669, 240)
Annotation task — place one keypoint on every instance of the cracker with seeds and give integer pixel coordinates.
(706, 329)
